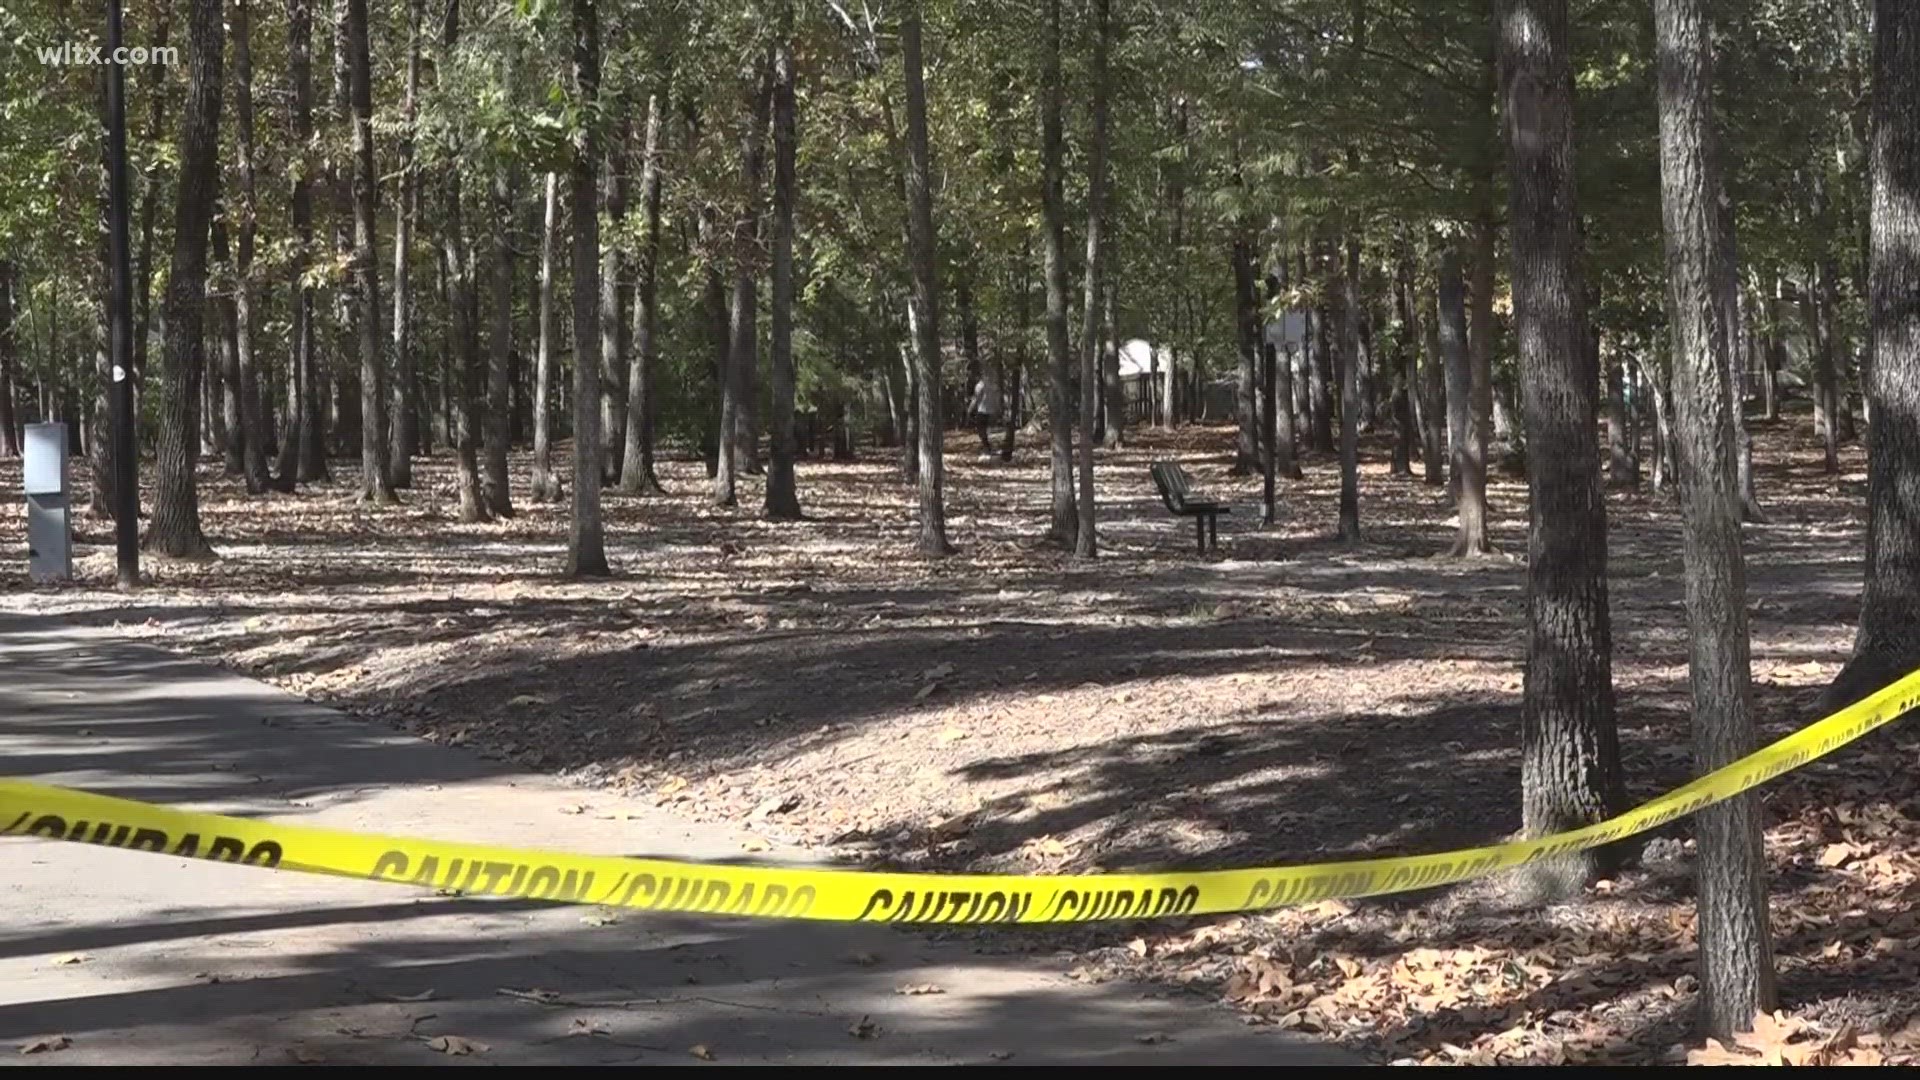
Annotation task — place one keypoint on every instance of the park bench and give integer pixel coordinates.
(1176, 490)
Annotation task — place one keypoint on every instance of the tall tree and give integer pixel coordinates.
(9, 347)
(1887, 644)
(175, 526)
(1736, 954)
(376, 481)
(744, 333)
(586, 547)
(406, 403)
(925, 297)
(302, 456)
(1065, 526)
(251, 432)
(500, 345)
(1086, 543)
(1570, 755)
(546, 486)
(1352, 351)
(468, 394)
(614, 291)
(782, 498)
(636, 463)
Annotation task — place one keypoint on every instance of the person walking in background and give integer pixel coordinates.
(984, 409)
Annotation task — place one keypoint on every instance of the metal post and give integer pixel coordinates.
(126, 480)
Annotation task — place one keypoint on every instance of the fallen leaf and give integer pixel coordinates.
(863, 958)
(952, 735)
(938, 671)
(73, 958)
(755, 843)
(306, 1055)
(600, 918)
(44, 1044)
(999, 1055)
(574, 808)
(926, 691)
(456, 1046)
(863, 1028)
(583, 1026)
(1153, 1037)
(424, 995)
(1138, 946)
(917, 989)
(700, 1051)
(535, 995)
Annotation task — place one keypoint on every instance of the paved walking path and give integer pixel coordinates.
(143, 959)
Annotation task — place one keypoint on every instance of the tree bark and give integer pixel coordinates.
(500, 348)
(220, 391)
(736, 383)
(1736, 953)
(1246, 325)
(1405, 438)
(1086, 539)
(923, 258)
(1570, 757)
(468, 395)
(546, 486)
(1887, 643)
(1065, 528)
(586, 547)
(1622, 469)
(154, 87)
(9, 348)
(615, 290)
(301, 455)
(1435, 403)
(250, 432)
(1469, 474)
(1286, 462)
(376, 480)
(1353, 357)
(175, 526)
(406, 404)
(636, 465)
(782, 496)
(1113, 391)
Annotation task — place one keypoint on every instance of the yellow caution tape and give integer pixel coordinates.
(54, 813)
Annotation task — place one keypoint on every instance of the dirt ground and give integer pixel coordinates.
(1293, 698)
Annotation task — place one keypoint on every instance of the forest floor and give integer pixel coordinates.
(1292, 699)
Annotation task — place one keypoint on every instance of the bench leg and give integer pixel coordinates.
(1213, 532)
(1200, 532)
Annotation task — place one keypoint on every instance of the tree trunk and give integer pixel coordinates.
(154, 87)
(636, 464)
(782, 497)
(1065, 526)
(1286, 463)
(376, 480)
(1114, 392)
(1320, 375)
(1570, 757)
(1887, 643)
(1469, 475)
(1728, 309)
(923, 256)
(1622, 469)
(247, 427)
(301, 455)
(500, 348)
(1086, 540)
(735, 421)
(1405, 438)
(175, 526)
(9, 346)
(1246, 325)
(1435, 403)
(1736, 954)
(586, 548)
(546, 486)
(406, 404)
(220, 392)
(1354, 361)
(467, 393)
(614, 292)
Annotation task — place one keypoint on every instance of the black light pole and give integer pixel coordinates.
(126, 464)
